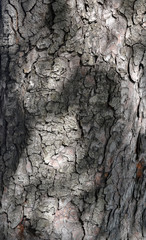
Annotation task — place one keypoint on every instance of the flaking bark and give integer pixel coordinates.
(72, 119)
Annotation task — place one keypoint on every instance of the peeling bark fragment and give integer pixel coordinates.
(66, 223)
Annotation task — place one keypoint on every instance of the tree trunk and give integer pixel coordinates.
(73, 119)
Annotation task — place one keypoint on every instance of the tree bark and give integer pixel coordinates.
(73, 119)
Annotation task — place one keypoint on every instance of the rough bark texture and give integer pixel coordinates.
(73, 119)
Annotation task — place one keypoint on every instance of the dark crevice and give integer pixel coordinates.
(86, 7)
(137, 150)
(50, 17)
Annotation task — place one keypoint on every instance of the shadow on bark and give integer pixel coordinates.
(93, 96)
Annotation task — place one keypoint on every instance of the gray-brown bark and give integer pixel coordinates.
(73, 119)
